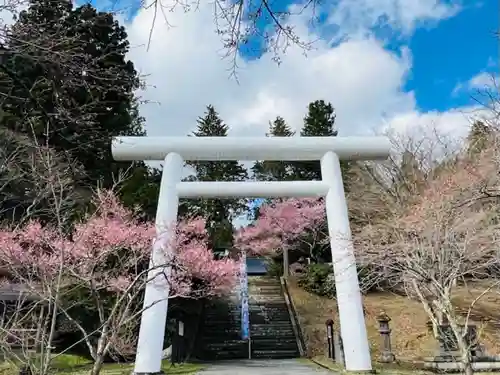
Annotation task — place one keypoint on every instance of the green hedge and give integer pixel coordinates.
(319, 279)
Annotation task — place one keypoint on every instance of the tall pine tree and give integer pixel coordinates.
(268, 170)
(219, 213)
(319, 122)
(68, 85)
(71, 84)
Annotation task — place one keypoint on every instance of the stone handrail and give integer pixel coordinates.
(294, 318)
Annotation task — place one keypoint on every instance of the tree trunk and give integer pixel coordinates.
(97, 366)
(460, 334)
(100, 353)
(468, 368)
(286, 266)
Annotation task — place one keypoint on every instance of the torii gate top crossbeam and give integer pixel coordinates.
(250, 148)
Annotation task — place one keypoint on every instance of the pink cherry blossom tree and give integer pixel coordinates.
(286, 225)
(106, 260)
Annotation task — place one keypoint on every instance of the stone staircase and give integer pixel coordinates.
(271, 330)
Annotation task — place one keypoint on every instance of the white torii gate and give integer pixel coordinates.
(175, 150)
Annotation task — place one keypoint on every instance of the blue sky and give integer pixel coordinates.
(453, 52)
(384, 64)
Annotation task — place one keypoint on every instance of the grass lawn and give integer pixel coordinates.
(74, 365)
(410, 339)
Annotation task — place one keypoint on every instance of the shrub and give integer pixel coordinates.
(318, 278)
(274, 267)
(315, 279)
(329, 285)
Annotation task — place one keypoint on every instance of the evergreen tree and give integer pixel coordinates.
(478, 137)
(71, 86)
(268, 170)
(410, 178)
(141, 189)
(319, 122)
(219, 213)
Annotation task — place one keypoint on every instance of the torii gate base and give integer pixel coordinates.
(175, 150)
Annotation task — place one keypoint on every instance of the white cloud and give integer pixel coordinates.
(454, 122)
(400, 16)
(482, 81)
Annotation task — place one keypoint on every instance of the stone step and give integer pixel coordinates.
(270, 333)
(269, 323)
(269, 285)
(214, 355)
(252, 281)
(223, 311)
(264, 338)
(268, 305)
(264, 293)
(260, 318)
(220, 321)
(263, 320)
(266, 298)
(210, 338)
(217, 319)
(269, 312)
(275, 302)
(265, 287)
(224, 320)
(225, 306)
(226, 345)
(230, 315)
(269, 339)
(259, 321)
(220, 329)
(270, 297)
(277, 309)
(214, 331)
(270, 344)
(268, 354)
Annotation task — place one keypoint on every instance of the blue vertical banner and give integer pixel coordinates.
(245, 319)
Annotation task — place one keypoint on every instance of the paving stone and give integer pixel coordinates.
(263, 367)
